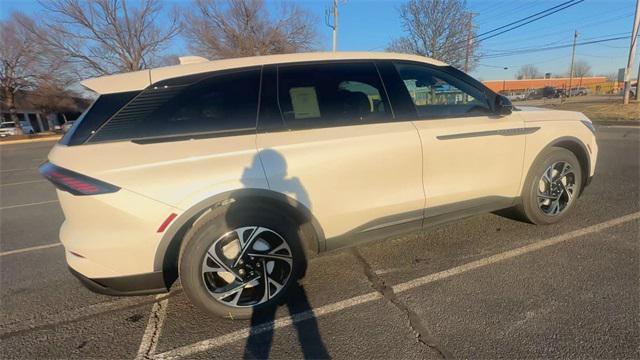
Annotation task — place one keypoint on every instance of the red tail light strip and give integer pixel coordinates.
(74, 183)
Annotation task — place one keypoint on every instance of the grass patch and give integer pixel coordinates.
(602, 111)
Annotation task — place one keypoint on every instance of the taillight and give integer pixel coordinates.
(76, 184)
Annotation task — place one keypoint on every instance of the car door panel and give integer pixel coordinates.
(472, 158)
(354, 175)
(471, 162)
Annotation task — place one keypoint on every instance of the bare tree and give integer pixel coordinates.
(528, 71)
(440, 29)
(581, 69)
(103, 37)
(611, 76)
(236, 28)
(26, 63)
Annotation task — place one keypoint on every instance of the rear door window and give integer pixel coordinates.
(334, 94)
(219, 104)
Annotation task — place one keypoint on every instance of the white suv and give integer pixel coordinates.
(8, 128)
(231, 173)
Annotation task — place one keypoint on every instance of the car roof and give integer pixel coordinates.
(138, 80)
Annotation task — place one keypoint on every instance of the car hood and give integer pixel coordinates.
(535, 114)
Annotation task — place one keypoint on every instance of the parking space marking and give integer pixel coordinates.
(154, 328)
(23, 169)
(29, 204)
(33, 248)
(48, 321)
(23, 182)
(189, 350)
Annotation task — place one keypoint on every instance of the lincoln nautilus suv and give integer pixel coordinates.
(230, 174)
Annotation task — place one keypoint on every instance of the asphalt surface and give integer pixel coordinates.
(485, 287)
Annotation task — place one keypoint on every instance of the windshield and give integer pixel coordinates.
(7, 125)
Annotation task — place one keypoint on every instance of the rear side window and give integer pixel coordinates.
(102, 109)
(338, 94)
(221, 103)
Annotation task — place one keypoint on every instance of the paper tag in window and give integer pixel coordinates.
(305, 102)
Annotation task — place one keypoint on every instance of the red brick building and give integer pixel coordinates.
(561, 83)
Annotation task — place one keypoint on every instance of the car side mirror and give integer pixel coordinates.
(503, 105)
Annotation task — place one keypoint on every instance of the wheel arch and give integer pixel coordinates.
(167, 253)
(578, 148)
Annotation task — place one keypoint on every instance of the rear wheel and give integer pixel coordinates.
(552, 187)
(239, 261)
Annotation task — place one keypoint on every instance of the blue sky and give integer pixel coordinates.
(369, 25)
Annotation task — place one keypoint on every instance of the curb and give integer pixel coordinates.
(616, 122)
(22, 141)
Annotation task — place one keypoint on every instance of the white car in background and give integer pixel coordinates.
(8, 128)
(231, 173)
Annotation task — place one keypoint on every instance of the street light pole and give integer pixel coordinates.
(638, 83)
(573, 56)
(632, 54)
(333, 24)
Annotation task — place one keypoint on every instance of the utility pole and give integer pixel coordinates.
(469, 41)
(333, 24)
(573, 57)
(638, 84)
(632, 54)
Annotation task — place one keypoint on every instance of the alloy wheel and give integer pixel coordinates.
(556, 188)
(247, 266)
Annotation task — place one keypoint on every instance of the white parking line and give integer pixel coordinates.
(33, 248)
(23, 169)
(29, 204)
(190, 350)
(154, 328)
(23, 182)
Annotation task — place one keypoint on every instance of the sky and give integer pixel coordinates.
(369, 25)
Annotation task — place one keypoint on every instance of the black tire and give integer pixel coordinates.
(528, 207)
(214, 225)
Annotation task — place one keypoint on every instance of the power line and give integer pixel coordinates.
(531, 50)
(582, 27)
(534, 17)
(530, 21)
(523, 19)
(500, 51)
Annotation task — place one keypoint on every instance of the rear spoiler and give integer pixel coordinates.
(132, 81)
(136, 80)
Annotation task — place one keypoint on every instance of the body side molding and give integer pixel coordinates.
(502, 132)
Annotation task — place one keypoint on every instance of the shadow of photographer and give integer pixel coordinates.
(262, 331)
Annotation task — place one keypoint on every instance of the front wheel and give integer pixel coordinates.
(552, 187)
(240, 261)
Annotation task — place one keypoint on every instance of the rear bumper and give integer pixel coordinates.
(131, 285)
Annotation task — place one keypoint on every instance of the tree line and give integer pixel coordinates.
(77, 39)
(581, 69)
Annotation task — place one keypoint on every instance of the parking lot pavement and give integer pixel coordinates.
(485, 287)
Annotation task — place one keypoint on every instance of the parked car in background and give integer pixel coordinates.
(8, 128)
(513, 96)
(221, 173)
(534, 94)
(549, 92)
(579, 91)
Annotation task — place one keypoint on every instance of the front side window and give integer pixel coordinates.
(220, 103)
(437, 94)
(324, 95)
